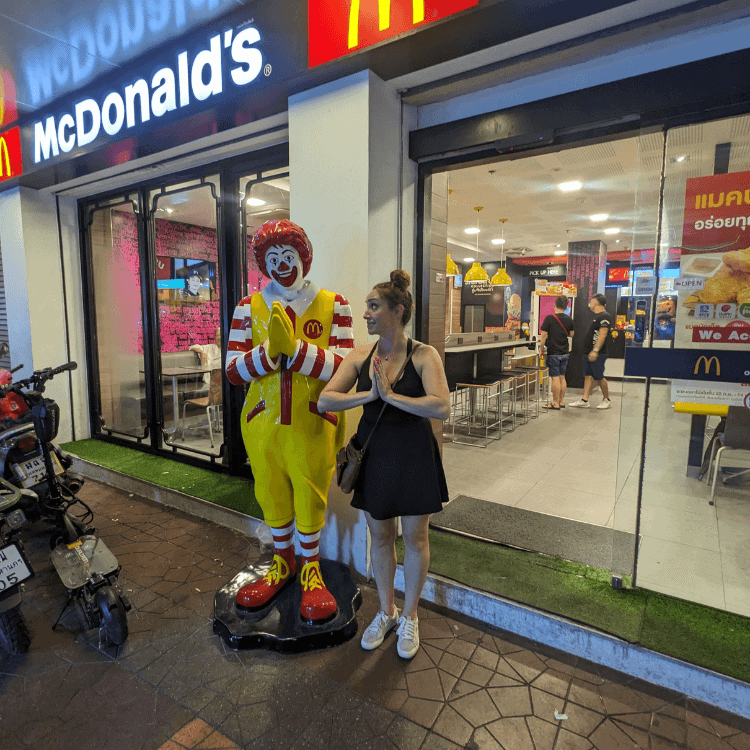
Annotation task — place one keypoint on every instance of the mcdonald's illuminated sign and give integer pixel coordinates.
(338, 27)
(707, 365)
(11, 163)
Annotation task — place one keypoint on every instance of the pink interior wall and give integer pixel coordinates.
(181, 324)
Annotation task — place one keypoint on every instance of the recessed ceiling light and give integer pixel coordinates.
(617, 240)
(561, 252)
(599, 217)
(612, 230)
(568, 187)
(472, 230)
(498, 241)
(557, 245)
(255, 202)
(468, 260)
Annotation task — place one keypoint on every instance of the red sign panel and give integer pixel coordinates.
(11, 163)
(618, 274)
(716, 213)
(338, 27)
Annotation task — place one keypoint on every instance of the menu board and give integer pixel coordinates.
(713, 307)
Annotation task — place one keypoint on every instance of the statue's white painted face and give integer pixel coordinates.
(284, 267)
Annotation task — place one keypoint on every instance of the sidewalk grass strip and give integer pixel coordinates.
(224, 490)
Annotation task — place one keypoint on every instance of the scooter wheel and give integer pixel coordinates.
(14, 635)
(114, 620)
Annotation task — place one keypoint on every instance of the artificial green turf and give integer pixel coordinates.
(222, 489)
(691, 632)
(701, 635)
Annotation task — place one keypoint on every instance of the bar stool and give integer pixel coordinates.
(539, 375)
(503, 386)
(520, 394)
(472, 409)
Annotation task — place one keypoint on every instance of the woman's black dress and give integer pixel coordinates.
(401, 474)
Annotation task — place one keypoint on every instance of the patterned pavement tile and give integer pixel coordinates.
(470, 686)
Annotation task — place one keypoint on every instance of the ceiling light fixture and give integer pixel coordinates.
(468, 260)
(472, 230)
(599, 217)
(612, 230)
(451, 269)
(476, 272)
(255, 202)
(569, 187)
(500, 277)
(498, 241)
(561, 252)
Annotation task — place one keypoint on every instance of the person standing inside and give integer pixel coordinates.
(402, 473)
(556, 329)
(595, 353)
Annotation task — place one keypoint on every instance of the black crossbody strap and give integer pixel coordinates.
(567, 332)
(398, 377)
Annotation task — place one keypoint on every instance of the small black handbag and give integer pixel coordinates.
(349, 458)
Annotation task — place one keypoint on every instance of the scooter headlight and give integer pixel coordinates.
(15, 519)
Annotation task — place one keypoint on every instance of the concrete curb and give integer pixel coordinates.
(699, 683)
(702, 684)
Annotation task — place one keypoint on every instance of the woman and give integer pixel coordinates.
(402, 474)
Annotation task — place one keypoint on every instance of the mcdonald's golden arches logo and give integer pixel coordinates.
(338, 27)
(11, 164)
(707, 365)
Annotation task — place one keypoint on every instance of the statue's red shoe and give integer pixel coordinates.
(260, 593)
(318, 605)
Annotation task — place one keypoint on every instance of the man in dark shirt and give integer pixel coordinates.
(595, 353)
(555, 331)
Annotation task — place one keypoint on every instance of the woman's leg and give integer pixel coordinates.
(416, 560)
(383, 550)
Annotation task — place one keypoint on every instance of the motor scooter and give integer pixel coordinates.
(29, 460)
(14, 570)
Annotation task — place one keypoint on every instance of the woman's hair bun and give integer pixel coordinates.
(400, 279)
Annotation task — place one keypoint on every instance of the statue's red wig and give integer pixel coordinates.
(281, 232)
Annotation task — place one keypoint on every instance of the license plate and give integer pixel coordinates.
(33, 471)
(13, 567)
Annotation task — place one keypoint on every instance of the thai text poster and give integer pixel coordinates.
(713, 307)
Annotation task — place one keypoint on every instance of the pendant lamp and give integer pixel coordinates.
(476, 272)
(501, 278)
(451, 268)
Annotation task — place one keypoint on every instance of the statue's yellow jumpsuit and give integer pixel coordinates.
(290, 444)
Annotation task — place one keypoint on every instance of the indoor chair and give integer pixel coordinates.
(736, 437)
(211, 402)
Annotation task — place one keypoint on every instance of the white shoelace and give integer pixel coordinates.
(408, 629)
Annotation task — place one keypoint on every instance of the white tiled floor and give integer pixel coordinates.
(584, 464)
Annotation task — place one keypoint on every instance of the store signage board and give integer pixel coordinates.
(645, 285)
(715, 263)
(213, 69)
(695, 392)
(11, 161)
(548, 271)
(340, 27)
(704, 365)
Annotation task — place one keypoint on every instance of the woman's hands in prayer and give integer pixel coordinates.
(381, 378)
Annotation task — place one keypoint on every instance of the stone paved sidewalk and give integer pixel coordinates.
(174, 685)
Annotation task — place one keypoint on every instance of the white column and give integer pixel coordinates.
(344, 156)
(34, 293)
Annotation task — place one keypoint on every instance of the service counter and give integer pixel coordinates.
(472, 355)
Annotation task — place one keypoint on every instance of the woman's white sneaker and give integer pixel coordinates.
(605, 404)
(408, 637)
(377, 630)
(581, 404)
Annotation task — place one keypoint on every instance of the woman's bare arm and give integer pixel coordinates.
(335, 396)
(437, 403)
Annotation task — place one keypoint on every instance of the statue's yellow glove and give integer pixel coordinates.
(281, 338)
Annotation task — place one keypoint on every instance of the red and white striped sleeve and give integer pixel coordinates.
(245, 362)
(322, 363)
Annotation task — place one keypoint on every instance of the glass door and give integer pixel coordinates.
(189, 284)
(119, 403)
(695, 304)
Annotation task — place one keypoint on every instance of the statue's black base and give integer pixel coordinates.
(279, 626)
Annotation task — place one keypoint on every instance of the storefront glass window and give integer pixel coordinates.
(263, 199)
(189, 287)
(116, 273)
(694, 538)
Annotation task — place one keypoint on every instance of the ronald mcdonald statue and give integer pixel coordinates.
(286, 342)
